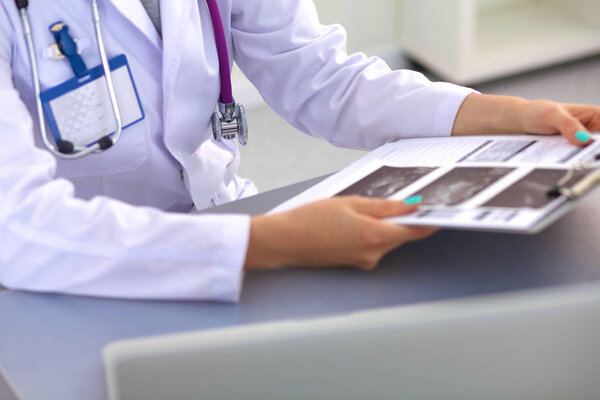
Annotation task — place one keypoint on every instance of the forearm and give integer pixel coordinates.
(339, 231)
(488, 114)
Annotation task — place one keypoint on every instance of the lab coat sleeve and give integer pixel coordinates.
(303, 72)
(53, 242)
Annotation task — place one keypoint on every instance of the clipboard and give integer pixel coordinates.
(560, 196)
(513, 183)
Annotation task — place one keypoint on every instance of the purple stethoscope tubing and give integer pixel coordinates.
(224, 70)
(228, 121)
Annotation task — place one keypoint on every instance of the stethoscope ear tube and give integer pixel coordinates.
(35, 78)
(227, 123)
(109, 82)
(66, 149)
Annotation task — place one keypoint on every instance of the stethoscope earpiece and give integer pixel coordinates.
(65, 147)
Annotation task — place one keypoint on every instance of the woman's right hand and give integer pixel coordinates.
(339, 231)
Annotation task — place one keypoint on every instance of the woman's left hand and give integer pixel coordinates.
(573, 121)
(490, 114)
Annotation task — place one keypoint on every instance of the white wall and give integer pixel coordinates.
(371, 25)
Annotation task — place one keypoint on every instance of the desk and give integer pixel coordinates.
(50, 345)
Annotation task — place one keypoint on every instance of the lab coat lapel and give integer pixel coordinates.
(176, 20)
(191, 86)
(134, 11)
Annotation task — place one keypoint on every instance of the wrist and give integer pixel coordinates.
(490, 114)
(265, 246)
(522, 109)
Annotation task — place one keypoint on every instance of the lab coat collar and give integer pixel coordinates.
(177, 15)
(135, 12)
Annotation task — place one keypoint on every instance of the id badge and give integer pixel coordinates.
(80, 111)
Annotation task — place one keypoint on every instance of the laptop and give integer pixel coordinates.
(522, 345)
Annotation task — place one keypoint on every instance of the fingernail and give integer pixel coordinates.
(411, 201)
(582, 136)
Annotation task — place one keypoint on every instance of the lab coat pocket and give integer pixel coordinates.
(127, 154)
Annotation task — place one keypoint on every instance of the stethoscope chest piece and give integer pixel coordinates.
(229, 122)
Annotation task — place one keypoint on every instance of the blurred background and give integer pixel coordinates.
(530, 48)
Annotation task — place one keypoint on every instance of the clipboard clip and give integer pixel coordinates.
(581, 186)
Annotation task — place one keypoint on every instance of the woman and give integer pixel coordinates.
(112, 224)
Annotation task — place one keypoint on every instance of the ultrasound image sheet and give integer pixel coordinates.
(497, 183)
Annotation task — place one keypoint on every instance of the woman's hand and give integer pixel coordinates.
(486, 114)
(340, 231)
(573, 121)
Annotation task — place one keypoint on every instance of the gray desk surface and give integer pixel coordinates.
(50, 345)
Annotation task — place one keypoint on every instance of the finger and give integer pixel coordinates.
(382, 208)
(392, 235)
(572, 129)
(413, 233)
(589, 115)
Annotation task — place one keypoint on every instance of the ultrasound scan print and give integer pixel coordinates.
(460, 185)
(531, 190)
(501, 151)
(386, 181)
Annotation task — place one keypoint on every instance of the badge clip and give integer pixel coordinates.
(57, 54)
(67, 47)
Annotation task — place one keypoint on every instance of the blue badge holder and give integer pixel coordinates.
(79, 110)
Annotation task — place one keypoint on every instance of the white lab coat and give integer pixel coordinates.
(103, 225)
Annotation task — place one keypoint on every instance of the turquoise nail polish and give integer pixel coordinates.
(411, 201)
(582, 136)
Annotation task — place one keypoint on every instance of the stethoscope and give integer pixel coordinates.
(227, 122)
